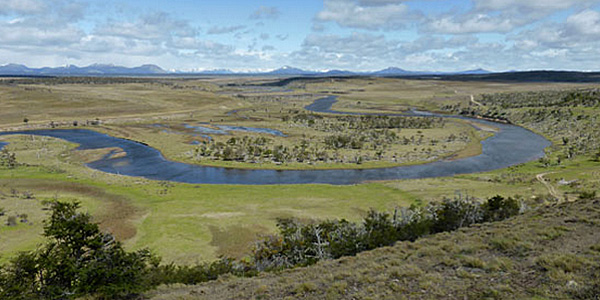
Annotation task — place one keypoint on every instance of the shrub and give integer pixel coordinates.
(587, 195)
(379, 229)
(304, 244)
(7, 159)
(78, 260)
(11, 221)
(499, 208)
(453, 214)
(171, 274)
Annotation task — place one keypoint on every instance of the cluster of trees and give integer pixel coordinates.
(304, 244)
(375, 135)
(259, 149)
(80, 261)
(7, 159)
(375, 138)
(375, 144)
(348, 122)
(569, 116)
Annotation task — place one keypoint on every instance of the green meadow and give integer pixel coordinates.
(188, 223)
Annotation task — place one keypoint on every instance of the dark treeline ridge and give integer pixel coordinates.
(525, 76)
(569, 98)
(78, 260)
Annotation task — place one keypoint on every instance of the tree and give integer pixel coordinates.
(380, 230)
(77, 260)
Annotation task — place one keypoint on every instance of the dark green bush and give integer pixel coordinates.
(453, 214)
(587, 195)
(499, 208)
(77, 260)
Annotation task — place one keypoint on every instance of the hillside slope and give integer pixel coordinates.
(548, 253)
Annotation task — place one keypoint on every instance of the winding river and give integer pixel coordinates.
(510, 146)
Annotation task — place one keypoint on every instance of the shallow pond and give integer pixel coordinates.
(225, 129)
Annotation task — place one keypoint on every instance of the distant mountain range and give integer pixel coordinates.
(95, 69)
(106, 69)
(391, 71)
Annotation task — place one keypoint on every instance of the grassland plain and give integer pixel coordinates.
(184, 223)
(187, 223)
(548, 253)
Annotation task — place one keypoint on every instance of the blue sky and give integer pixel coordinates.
(242, 35)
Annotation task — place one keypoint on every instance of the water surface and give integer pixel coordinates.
(511, 145)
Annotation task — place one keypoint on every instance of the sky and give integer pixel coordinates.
(260, 35)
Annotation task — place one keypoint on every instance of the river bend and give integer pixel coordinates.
(510, 146)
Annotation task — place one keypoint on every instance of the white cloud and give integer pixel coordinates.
(580, 30)
(158, 26)
(224, 29)
(500, 16)
(22, 7)
(530, 34)
(472, 24)
(372, 15)
(356, 44)
(379, 2)
(40, 23)
(550, 53)
(585, 24)
(529, 6)
(265, 12)
(21, 34)
(428, 42)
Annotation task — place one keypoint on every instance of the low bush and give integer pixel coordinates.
(304, 244)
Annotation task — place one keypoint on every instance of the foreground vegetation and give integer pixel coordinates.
(547, 253)
(79, 260)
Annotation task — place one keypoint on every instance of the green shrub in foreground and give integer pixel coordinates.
(77, 260)
(304, 244)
